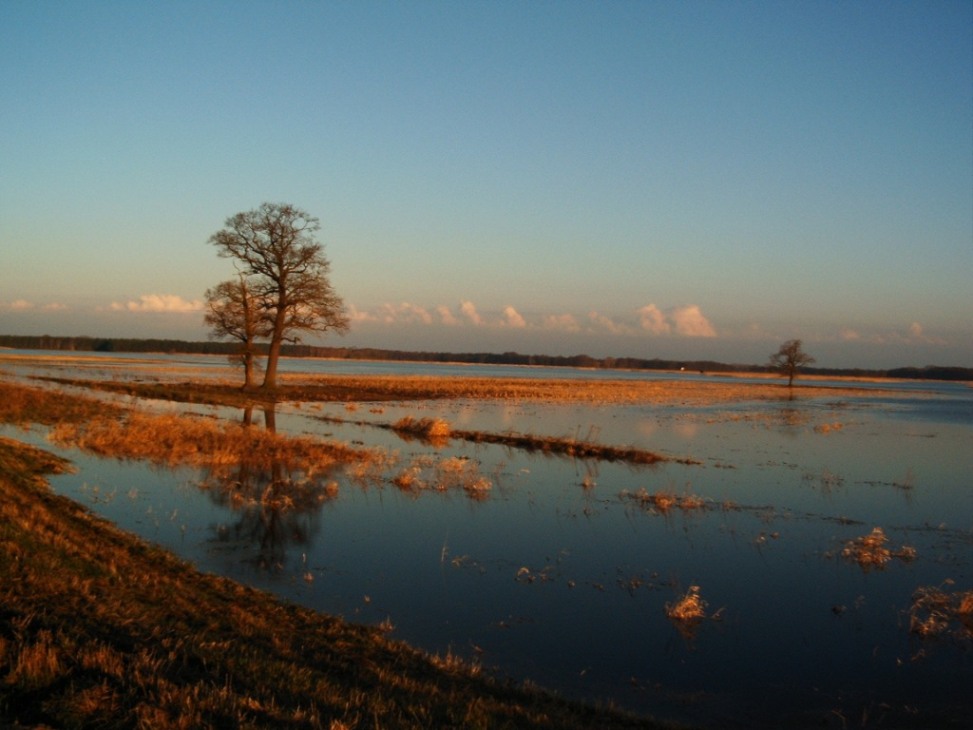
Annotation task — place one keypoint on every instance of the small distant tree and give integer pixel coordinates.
(789, 359)
(287, 273)
(233, 312)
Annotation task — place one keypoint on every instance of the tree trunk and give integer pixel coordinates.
(276, 337)
(270, 374)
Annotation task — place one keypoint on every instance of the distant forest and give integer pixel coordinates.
(114, 344)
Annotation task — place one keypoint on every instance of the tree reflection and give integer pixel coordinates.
(277, 504)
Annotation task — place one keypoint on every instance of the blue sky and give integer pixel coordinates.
(648, 179)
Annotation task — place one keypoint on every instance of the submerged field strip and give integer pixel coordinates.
(501, 521)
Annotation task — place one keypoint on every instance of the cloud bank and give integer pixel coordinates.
(23, 305)
(682, 321)
(168, 303)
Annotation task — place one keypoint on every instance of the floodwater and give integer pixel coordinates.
(555, 571)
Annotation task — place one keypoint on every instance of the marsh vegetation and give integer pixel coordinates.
(473, 518)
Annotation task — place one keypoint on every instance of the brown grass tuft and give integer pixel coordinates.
(186, 440)
(935, 612)
(431, 430)
(663, 501)
(869, 550)
(425, 473)
(689, 607)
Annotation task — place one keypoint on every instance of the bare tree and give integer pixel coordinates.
(288, 274)
(789, 359)
(233, 312)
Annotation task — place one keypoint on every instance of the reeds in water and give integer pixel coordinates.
(663, 501)
(936, 612)
(869, 551)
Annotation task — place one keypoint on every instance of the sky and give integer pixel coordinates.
(680, 180)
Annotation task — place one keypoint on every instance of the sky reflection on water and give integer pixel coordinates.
(560, 576)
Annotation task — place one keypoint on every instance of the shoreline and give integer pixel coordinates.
(101, 626)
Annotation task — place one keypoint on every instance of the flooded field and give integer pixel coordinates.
(739, 581)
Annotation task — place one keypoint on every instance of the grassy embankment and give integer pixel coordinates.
(98, 628)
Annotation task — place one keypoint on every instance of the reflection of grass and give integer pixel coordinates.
(100, 629)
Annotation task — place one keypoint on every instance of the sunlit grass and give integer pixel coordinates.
(356, 389)
(870, 550)
(189, 440)
(427, 473)
(621, 391)
(22, 404)
(936, 612)
(688, 607)
(663, 501)
(435, 431)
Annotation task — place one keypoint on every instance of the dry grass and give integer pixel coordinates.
(246, 465)
(189, 440)
(426, 473)
(869, 551)
(688, 607)
(936, 613)
(379, 387)
(665, 500)
(435, 431)
(23, 405)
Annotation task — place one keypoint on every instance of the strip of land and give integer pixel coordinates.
(381, 388)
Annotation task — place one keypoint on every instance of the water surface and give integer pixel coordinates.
(559, 575)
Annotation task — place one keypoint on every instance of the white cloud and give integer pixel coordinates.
(446, 315)
(849, 335)
(689, 321)
(607, 324)
(512, 318)
(918, 334)
(170, 303)
(404, 313)
(653, 320)
(23, 305)
(468, 310)
(357, 315)
(561, 323)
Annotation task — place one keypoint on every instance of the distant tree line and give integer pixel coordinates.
(111, 344)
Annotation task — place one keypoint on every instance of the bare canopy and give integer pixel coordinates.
(789, 359)
(232, 312)
(287, 274)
